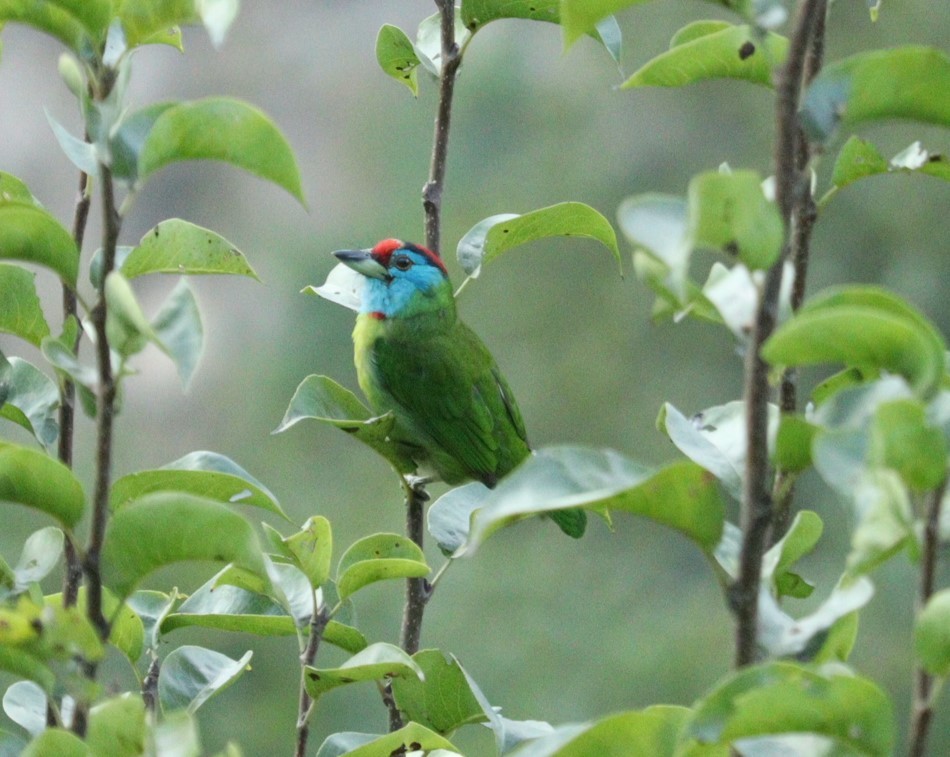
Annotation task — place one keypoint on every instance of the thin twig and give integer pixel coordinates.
(804, 215)
(150, 686)
(432, 191)
(318, 623)
(417, 589)
(105, 410)
(922, 710)
(67, 408)
(757, 506)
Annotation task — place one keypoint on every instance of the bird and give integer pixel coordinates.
(455, 414)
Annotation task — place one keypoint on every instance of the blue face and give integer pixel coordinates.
(411, 276)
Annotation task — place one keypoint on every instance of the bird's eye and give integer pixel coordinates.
(402, 262)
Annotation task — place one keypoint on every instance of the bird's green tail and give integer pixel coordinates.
(571, 522)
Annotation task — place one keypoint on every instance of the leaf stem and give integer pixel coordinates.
(924, 690)
(757, 505)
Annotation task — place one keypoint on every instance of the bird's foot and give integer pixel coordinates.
(417, 485)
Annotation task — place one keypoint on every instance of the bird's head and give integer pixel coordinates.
(401, 277)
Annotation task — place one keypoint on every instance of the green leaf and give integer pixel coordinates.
(932, 635)
(658, 224)
(56, 742)
(127, 328)
(12, 188)
(449, 518)
(498, 234)
(117, 727)
(145, 21)
(81, 153)
(33, 479)
(178, 327)
(127, 633)
(192, 675)
(46, 17)
(859, 159)
(911, 82)
(205, 474)
(32, 235)
(780, 635)
(324, 400)
(176, 735)
(125, 144)
(864, 327)
(410, 738)
(701, 51)
(312, 548)
(397, 56)
(379, 557)
(29, 398)
(441, 699)
(230, 608)
(376, 662)
(885, 521)
(729, 212)
(176, 246)
(477, 13)
(781, 697)
(714, 439)
(681, 495)
(151, 608)
(20, 311)
(799, 540)
(221, 129)
(94, 15)
(24, 664)
(168, 527)
(902, 439)
(793, 443)
(652, 731)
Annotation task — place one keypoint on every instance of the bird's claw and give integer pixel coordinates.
(417, 485)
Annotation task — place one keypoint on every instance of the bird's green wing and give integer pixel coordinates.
(446, 386)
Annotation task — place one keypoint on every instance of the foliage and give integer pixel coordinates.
(876, 432)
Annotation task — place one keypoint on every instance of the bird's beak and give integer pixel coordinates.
(362, 262)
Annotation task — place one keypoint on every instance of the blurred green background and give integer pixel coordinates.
(550, 628)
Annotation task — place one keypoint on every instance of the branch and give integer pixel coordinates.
(417, 589)
(804, 215)
(67, 408)
(150, 686)
(757, 505)
(318, 623)
(432, 191)
(105, 410)
(922, 711)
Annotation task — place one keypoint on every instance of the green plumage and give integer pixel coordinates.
(455, 414)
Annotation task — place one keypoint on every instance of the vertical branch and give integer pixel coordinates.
(67, 408)
(432, 191)
(757, 504)
(150, 686)
(804, 215)
(417, 590)
(318, 623)
(922, 710)
(105, 410)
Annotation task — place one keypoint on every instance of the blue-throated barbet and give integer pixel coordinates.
(455, 413)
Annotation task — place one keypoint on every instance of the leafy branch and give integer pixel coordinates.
(757, 516)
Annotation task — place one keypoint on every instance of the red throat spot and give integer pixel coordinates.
(378, 315)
